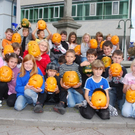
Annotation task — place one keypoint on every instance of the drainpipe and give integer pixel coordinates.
(12, 13)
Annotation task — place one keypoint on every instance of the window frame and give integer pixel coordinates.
(95, 9)
(54, 11)
(118, 7)
(76, 10)
(42, 12)
(25, 14)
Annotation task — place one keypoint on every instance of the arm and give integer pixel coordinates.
(85, 63)
(34, 32)
(17, 29)
(63, 85)
(125, 87)
(49, 33)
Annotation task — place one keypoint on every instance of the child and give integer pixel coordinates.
(92, 83)
(27, 94)
(72, 40)
(44, 58)
(91, 56)
(51, 71)
(128, 109)
(115, 92)
(27, 36)
(40, 34)
(7, 40)
(62, 60)
(12, 60)
(74, 93)
(85, 46)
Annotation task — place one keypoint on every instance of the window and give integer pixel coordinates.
(115, 8)
(27, 14)
(107, 8)
(74, 10)
(31, 15)
(92, 9)
(40, 13)
(61, 11)
(22, 14)
(14, 11)
(56, 12)
(35, 15)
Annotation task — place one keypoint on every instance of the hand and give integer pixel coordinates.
(85, 63)
(37, 26)
(90, 103)
(57, 44)
(89, 75)
(121, 73)
(38, 58)
(77, 85)
(57, 90)
(110, 74)
(27, 86)
(65, 86)
(20, 26)
(105, 106)
(37, 90)
(29, 24)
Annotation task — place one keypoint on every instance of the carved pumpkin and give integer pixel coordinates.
(56, 38)
(87, 69)
(101, 44)
(8, 49)
(36, 81)
(115, 40)
(77, 49)
(5, 74)
(51, 84)
(115, 69)
(93, 43)
(107, 61)
(99, 99)
(70, 78)
(41, 25)
(16, 38)
(130, 95)
(25, 23)
(33, 48)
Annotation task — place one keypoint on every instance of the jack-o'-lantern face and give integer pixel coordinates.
(33, 48)
(41, 25)
(77, 49)
(87, 69)
(5, 74)
(8, 49)
(130, 95)
(107, 61)
(36, 81)
(99, 99)
(115, 69)
(25, 23)
(51, 84)
(16, 38)
(70, 78)
(93, 43)
(56, 38)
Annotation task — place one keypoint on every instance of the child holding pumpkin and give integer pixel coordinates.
(128, 108)
(115, 93)
(27, 94)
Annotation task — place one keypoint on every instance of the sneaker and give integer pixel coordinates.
(59, 108)
(38, 108)
(77, 106)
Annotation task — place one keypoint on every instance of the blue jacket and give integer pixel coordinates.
(22, 81)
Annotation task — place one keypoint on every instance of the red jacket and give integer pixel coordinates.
(42, 63)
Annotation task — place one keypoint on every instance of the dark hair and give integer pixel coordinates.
(62, 59)
(69, 37)
(92, 52)
(52, 65)
(107, 43)
(70, 51)
(9, 30)
(98, 34)
(10, 55)
(63, 32)
(38, 32)
(118, 52)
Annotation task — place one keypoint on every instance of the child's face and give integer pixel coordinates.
(86, 39)
(8, 35)
(97, 71)
(25, 33)
(107, 50)
(100, 39)
(91, 58)
(73, 38)
(51, 72)
(63, 37)
(17, 51)
(12, 62)
(117, 58)
(28, 65)
(108, 38)
(43, 46)
(70, 57)
(41, 34)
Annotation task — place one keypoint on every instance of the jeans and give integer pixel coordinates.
(74, 97)
(29, 97)
(113, 98)
(83, 59)
(56, 62)
(128, 109)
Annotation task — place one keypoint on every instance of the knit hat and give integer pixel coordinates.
(52, 66)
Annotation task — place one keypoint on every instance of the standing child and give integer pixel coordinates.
(92, 83)
(85, 46)
(128, 109)
(27, 94)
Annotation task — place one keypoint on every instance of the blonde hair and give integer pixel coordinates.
(86, 34)
(98, 64)
(34, 69)
(44, 40)
(109, 35)
(133, 63)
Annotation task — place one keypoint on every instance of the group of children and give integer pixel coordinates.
(58, 58)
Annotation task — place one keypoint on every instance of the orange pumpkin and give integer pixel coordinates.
(107, 61)
(51, 84)
(130, 95)
(16, 38)
(5, 74)
(77, 49)
(36, 81)
(99, 99)
(70, 78)
(8, 49)
(115, 40)
(56, 38)
(93, 43)
(115, 69)
(101, 44)
(33, 48)
(41, 25)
